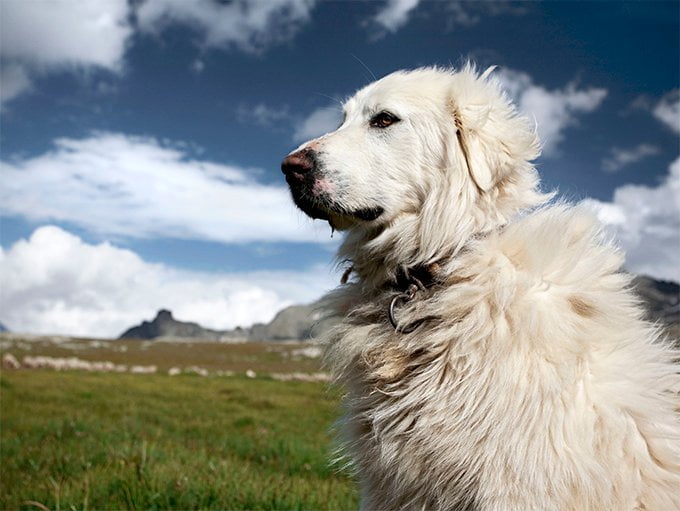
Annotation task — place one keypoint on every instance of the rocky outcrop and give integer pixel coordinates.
(662, 301)
(165, 325)
(297, 322)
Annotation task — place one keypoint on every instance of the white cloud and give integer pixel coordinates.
(263, 115)
(54, 283)
(646, 222)
(249, 25)
(13, 81)
(619, 158)
(38, 36)
(197, 66)
(468, 14)
(319, 122)
(131, 186)
(395, 13)
(641, 102)
(554, 110)
(667, 110)
(46, 33)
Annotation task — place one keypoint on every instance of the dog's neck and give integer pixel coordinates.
(392, 256)
(415, 240)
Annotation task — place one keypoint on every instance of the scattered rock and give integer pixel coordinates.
(309, 352)
(196, 370)
(9, 361)
(71, 364)
(143, 369)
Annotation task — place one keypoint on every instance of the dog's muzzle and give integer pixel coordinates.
(301, 171)
(298, 166)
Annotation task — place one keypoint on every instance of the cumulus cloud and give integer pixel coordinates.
(619, 158)
(250, 25)
(646, 222)
(554, 110)
(47, 33)
(38, 36)
(120, 185)
(319, 122)
(54, 283)
(395, 14)
(667, 110)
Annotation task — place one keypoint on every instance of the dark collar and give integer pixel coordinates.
(408, 283)
(422, 276)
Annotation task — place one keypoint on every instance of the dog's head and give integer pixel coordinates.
(406, 137)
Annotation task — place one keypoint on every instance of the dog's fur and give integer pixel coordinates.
(533, 381)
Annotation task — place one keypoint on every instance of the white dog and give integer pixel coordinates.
(494, 357)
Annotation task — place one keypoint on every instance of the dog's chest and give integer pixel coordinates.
(402, 443)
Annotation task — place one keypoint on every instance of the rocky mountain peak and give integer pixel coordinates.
(164, 315)
(165, 325)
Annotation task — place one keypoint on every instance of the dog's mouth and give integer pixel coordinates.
(367, 214)
(320, 205)
(304, 199)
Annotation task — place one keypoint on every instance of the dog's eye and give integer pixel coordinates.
(383, 120)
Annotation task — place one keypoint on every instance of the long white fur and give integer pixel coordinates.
(535, 384)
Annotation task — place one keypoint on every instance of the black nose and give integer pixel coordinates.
(299, 163)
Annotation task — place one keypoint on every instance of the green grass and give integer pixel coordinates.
(83, 441)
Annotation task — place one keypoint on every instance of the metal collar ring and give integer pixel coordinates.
(398, 300)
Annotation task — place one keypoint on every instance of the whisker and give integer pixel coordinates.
(365, 66)
(329, 97)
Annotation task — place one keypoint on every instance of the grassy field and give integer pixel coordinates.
(95, 441)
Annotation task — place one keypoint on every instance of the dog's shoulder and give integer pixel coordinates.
(554, 269)
(559, 245)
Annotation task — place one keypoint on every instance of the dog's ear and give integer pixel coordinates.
(493, 139)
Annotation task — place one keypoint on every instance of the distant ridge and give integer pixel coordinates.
(662, 300)
(165, 325)
(304, 322)
(3, 328)
(297, 322)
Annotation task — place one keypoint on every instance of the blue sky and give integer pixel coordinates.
(141, 142)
